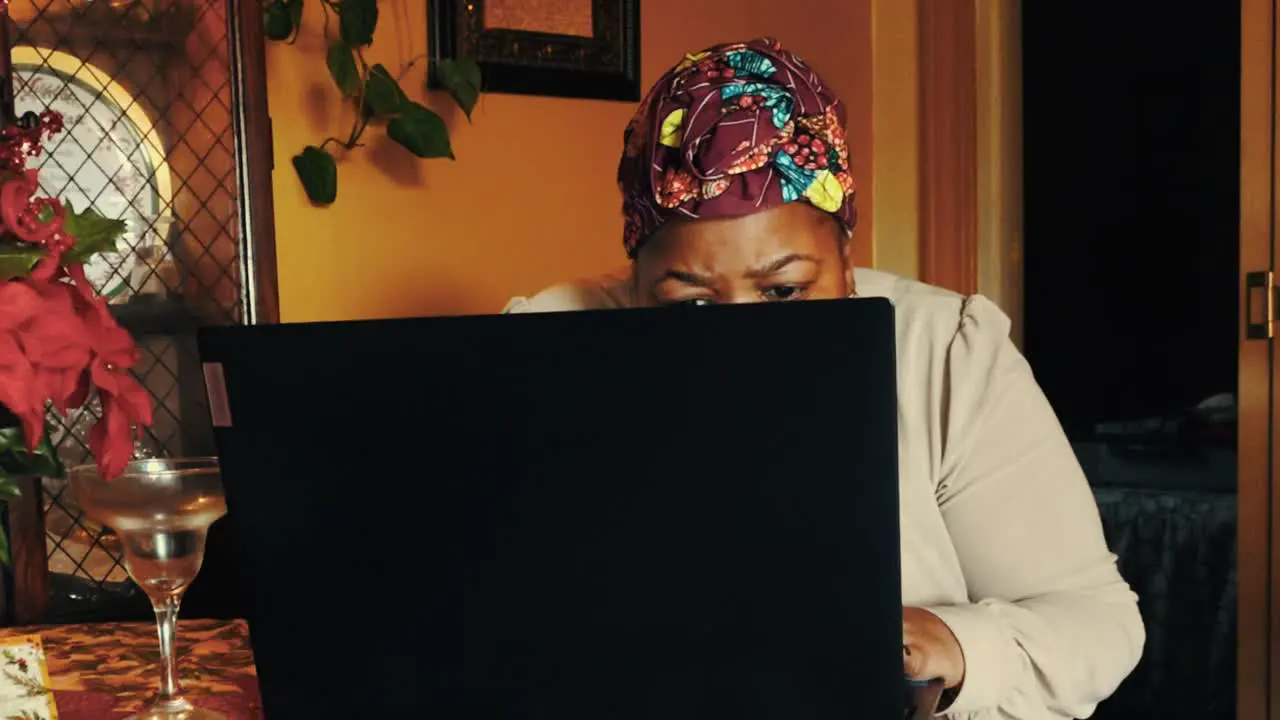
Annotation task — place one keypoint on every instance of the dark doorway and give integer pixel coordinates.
(1132, 115)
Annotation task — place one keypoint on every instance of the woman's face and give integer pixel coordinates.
(792, 252)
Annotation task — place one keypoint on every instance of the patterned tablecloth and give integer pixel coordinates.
(110, 670)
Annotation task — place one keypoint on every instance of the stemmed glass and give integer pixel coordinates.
(161, 510)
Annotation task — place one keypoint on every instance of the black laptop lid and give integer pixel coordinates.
(649, 514)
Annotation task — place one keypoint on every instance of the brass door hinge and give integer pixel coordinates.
(1259, 305)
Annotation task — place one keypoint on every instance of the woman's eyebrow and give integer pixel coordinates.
(777, 264)
(686, 277)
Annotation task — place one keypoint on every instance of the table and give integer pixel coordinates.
(109, 670)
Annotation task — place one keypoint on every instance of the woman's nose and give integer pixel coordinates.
(741, 296)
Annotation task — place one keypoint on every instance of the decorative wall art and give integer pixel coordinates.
(558, 48)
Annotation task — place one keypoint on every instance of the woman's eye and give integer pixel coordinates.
(783, 293)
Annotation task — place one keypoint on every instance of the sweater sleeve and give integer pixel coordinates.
(1051, 628)
(607, 292)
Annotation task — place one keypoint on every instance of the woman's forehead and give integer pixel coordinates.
(746, 241)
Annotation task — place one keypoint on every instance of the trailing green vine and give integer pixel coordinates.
(375, 94)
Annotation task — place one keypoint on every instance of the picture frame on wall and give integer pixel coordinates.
(559, 48)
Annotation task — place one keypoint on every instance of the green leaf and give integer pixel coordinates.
(421, 132)
(279, 23)
(342, 67)
(461, 77)
(18, 261)
(52, 467)
(358, 19)
(11, 439)
(5, 559)
(21, 463)
(319, 174)
(17, 461)
(382, 94)
(93, 232)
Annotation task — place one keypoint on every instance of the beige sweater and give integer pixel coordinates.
(1000, 532)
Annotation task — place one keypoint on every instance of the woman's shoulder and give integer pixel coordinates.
(607, 292)
(930, 315)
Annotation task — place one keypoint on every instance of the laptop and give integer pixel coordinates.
(651, 514)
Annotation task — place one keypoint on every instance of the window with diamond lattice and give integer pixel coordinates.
(146, 91)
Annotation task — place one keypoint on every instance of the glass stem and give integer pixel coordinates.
(166, 609)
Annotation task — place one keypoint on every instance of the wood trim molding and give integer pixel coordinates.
(1257, 561)
(999, 157)
(255, 163)
(948, 144)
(1256, 558)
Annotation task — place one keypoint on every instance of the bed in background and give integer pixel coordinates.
(1166, 491)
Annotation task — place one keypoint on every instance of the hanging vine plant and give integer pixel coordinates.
(373, 92)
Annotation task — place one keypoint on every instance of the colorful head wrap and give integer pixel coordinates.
(730, 131)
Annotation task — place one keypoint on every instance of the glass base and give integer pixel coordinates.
(189, 714)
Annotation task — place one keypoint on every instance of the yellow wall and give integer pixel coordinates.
(531, 199)
(895, 120)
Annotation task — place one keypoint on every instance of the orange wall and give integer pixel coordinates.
(531, 199)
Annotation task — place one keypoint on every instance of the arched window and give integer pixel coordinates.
(110, 156)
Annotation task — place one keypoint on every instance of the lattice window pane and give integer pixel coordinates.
(145, 87)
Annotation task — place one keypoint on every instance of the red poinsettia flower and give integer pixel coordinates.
(59, 344)
(125, 403)
(19, 391)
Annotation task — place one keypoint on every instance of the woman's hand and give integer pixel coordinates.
(929, 650)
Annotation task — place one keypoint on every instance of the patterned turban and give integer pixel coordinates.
(730, 131)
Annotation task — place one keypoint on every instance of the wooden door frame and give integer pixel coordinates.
(998, 154)
(947, 165)
(970, 239)
(970, 138)
(949, 144)
(1256, 560)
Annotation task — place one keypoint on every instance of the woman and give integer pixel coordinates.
(736, 189)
